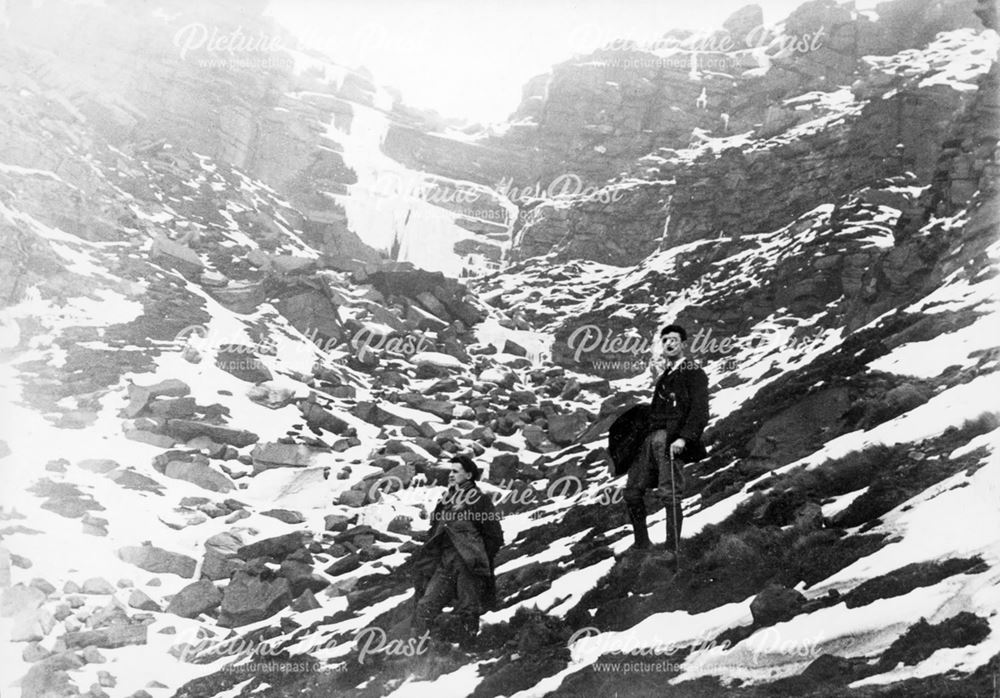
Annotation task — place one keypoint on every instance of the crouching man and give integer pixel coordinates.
(455, 564)
(678, 415)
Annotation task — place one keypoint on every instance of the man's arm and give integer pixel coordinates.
(697, 416)
(492, 537)
(489, 526)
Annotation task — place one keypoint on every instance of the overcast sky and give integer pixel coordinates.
(470, 58)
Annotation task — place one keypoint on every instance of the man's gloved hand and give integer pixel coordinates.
(677, 447)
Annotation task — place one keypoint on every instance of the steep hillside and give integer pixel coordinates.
(232, 370)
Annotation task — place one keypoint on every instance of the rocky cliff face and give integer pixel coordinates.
(796, 142)
(843, 263)
(225, 408)
(231, 85)
(911, 141)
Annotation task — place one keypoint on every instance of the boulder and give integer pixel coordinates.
(565, 428)
(275, 455)
(601, 386)
(158, 560)
(423, 320)
(111, 637)
(271, 395)
(242, 362)
(172, 407)
(286, 515)
(571, 389)
(775, 604)
(20, 598)
(57, 466)
(213, 278)
(278, 547)
(523, 397)
(94, 525)
(34, 652)
(503, 377)
(341, 445)
(336, 522)
(433, 305)
(330, 375)
(430, 445)
(373, 414)
(402, 474)
(536, 440)
(391, 379)
(352, 498)
(148, 437)
(346, 564)
(348, 392)
(437, 359)
(445, 385)
(467, 313)
(483, 435)
(440, 408)
(220, 560)
(31, 625)
(171, 387)
(199, 474)
(185, 430)
(49, 677)
(301, 578)
(512, 347)
(319, 418)
(505, 466)
(400, 524)
(133, 480)
(100, 466)
(97, 585)
(175, 254)
(194, 599)
(140, 395)
(139, 599)
(395, 447)
(305, 602)
(249, 599)
(181, 518)
(464, 412)
(92, 655)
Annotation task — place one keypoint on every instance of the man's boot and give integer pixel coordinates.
(637, 516)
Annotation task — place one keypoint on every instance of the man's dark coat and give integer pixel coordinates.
(679, 406)
(470, 523)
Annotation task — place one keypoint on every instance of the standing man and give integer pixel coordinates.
(677, 417)
(456, 561)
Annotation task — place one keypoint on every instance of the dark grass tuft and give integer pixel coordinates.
(922, 639)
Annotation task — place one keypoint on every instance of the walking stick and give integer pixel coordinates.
(673, 508)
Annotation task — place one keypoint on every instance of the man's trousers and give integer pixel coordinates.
(451, 583)
(651, 469)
